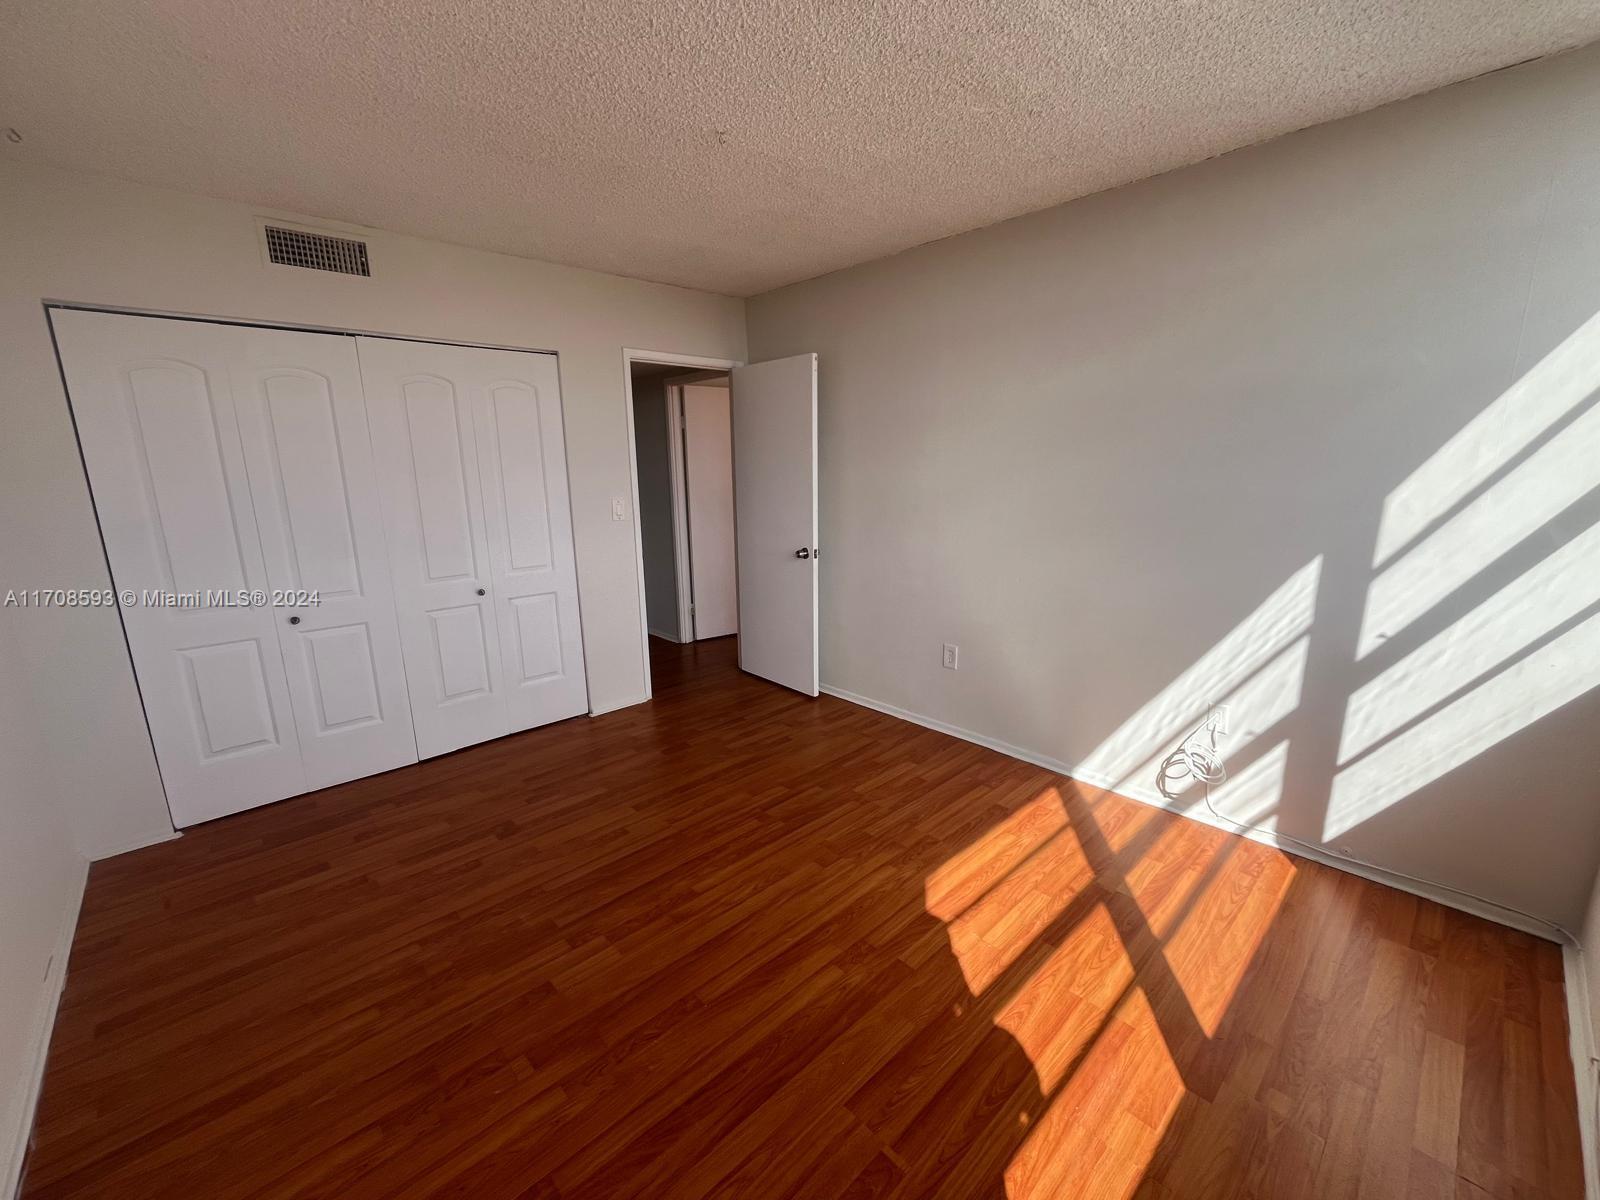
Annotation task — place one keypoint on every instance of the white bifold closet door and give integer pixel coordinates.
(472, 471)
(225, 461)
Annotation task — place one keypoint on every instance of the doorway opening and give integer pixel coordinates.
(702, 432)
(683, 461)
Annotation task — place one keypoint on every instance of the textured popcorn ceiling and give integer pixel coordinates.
(721, 145)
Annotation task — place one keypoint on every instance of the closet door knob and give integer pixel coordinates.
(481, 592)
(803, 552)
(294, 620)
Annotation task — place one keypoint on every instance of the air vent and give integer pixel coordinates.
(316, 251)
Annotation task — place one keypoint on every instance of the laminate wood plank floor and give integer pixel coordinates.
(738, 943)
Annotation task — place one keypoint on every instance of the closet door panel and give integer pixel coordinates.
(154, 408)
(522, 445)
(303, 421)
(423, 438)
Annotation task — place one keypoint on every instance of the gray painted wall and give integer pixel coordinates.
(655, 504)
(1171, 445)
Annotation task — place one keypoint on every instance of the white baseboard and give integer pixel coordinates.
(1580, 1029)
(99, 853)
(1470, 904)
(664, 635)
(19, 1120)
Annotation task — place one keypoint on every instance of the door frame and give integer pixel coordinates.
(665, 359)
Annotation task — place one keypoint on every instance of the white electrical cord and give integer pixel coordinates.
(1201, 761)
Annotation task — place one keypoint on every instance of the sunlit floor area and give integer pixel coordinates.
(739, 943)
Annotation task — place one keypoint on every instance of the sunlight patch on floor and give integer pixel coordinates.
(1162, 881)
(960, 882)
(1050, 1019)
(1124, 827)
(1102, 1127)
(993, 932)
(1117, 998)
(1242, 904)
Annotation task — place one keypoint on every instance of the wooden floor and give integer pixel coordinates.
(739, 943)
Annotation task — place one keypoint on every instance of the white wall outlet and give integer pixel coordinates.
(951, 653)
(619, 508)
(1217, 721)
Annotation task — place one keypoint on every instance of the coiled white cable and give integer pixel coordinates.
(1194, 759)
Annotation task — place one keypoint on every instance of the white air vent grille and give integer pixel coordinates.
(318, 251)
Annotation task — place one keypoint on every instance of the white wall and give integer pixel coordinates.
(95, 240)
(41, 879)
(1089, 444)
(654, 448)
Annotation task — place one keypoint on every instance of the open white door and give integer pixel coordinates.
(775, 493)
